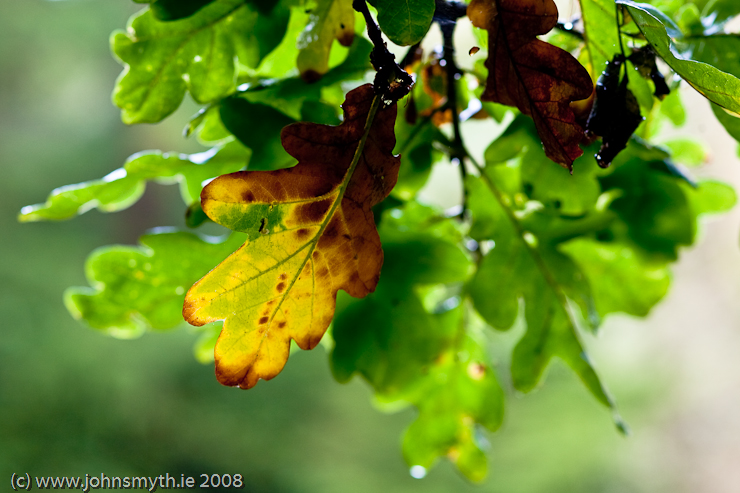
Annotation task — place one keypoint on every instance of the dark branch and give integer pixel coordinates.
(448, 12)
(446, 16)
(391, 81)
(414, 54)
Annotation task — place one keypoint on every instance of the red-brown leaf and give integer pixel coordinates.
(538, 78)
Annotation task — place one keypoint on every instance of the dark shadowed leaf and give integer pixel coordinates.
(615, 114)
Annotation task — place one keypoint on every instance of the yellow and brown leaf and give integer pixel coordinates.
(538, 78)
(311, 232)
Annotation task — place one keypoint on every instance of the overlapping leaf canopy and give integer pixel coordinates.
(533, 245)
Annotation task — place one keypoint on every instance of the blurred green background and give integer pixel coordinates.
(73, 401)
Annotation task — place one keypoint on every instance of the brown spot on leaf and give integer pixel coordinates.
(282, 324)
(311, 76)
(346, 38)
(332, 230)
(248, 196)
(280, 287)
(263, 320)
(321, 189)
(313, 212)
(301, 234)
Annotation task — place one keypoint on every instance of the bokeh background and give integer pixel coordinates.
(73, 401)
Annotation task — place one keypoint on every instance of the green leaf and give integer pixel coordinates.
(729, 121)
(712, 197)
(258, 127)
(717, 12)
(123, 187)
(573, 270)
(405, 22)
(539, 178)
(517, 266)
(198, 54)
(389, 337)
(288, 95)
(552, 185)
(170, 10)
(672, 108)
(258, 111)
(206, 343)
(137, 288)
(714, 84)
(461, 393)
(412, 350)
(600, 33)
(689, 19)
(722, 52)
(208, 126)
(652, 204)
(687, 151)
(329, 20)
(621, 279)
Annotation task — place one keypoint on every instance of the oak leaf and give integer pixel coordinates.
(310, 233)
(330, 20)
(532, 75)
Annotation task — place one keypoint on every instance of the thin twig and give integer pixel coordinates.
(410, 55)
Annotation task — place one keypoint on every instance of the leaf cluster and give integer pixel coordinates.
(318, 201)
